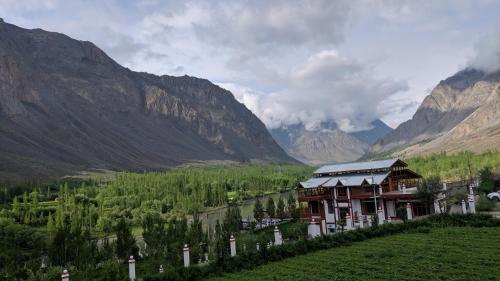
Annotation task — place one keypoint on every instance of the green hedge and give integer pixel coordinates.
(251, 259)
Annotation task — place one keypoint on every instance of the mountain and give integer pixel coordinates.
(379, 129)
(461, 113)
(65, 106)
(327, 143)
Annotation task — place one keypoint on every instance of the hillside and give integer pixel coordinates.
(461, 113)
(327, 143)
(66, 106)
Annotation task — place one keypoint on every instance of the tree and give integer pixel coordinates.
(487, 184)
(428, 190)
(154, 234)
(232, 220)
(271, 208)
(280, 208)
(291, 202)
(258, 210)
(125, 241)
(220, 241)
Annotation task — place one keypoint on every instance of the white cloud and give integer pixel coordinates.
(486, 55)
(288, 61)
(326, 87)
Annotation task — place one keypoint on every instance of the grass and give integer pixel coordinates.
(443, 254)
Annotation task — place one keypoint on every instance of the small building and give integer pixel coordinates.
(361, 190)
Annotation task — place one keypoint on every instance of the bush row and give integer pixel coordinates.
(251, 259)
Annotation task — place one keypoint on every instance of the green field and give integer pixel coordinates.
(454, 166)
(442, 254)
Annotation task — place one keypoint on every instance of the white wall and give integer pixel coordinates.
(356, 207)
(313, 230)
(391, 208)
(330, 218)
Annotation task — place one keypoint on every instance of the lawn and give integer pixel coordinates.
(443, 254)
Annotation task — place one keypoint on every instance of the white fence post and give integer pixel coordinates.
(409, 213)
(131, 268)
(361, 221)
(277, 236)
(380, 214)
(464, 208)
(65, 275)
(257, 246)
(232, 245)
(369, 220)
(186, 255)
(472, 201)
(348, 222)
(161, 268)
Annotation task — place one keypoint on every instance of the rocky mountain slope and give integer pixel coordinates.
(327, 143)
(66, 106)
(461, 113)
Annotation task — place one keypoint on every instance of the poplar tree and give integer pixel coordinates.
(271, 208)
(258, 210)
(125, 241)
(280, 208)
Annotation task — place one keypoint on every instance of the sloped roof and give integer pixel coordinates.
(358, 166)
(314, 182)
(347, 180)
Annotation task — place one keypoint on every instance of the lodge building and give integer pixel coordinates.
(359, 191)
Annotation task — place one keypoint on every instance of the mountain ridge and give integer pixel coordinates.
(65, 102)
(451, 118)
(327, 143)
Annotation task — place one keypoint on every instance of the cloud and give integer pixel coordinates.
(326, 87)
(486, 55)
(267, 25)
(288, 61)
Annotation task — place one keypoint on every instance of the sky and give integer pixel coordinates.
(289, 62)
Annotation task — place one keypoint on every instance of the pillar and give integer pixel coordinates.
(361, 221)
(348, 222)
(277, 236)
(313, 229)
(464, 208)
(131, 268)
(65, 275)
(161, 268)
(472, 201)
(369, 221)
(409, 213)
(472, 204)
(186, 255)
(380, 215)
(232, 245)
(437, 207)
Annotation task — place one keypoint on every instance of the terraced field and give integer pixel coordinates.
(442, 254)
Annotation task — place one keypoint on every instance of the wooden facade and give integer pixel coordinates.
(358, 190)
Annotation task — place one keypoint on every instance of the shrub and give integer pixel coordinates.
(251, 259)
(484, 204)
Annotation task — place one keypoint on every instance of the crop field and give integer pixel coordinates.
(442, 254)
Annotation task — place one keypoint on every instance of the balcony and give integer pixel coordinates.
(313, 194)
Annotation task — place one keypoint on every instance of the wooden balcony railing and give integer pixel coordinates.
(306, 194)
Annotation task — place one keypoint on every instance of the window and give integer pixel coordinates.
(331, 210)
(314, 207)
(341, 191)
(368, 207)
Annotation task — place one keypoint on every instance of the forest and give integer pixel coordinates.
(94, 223)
